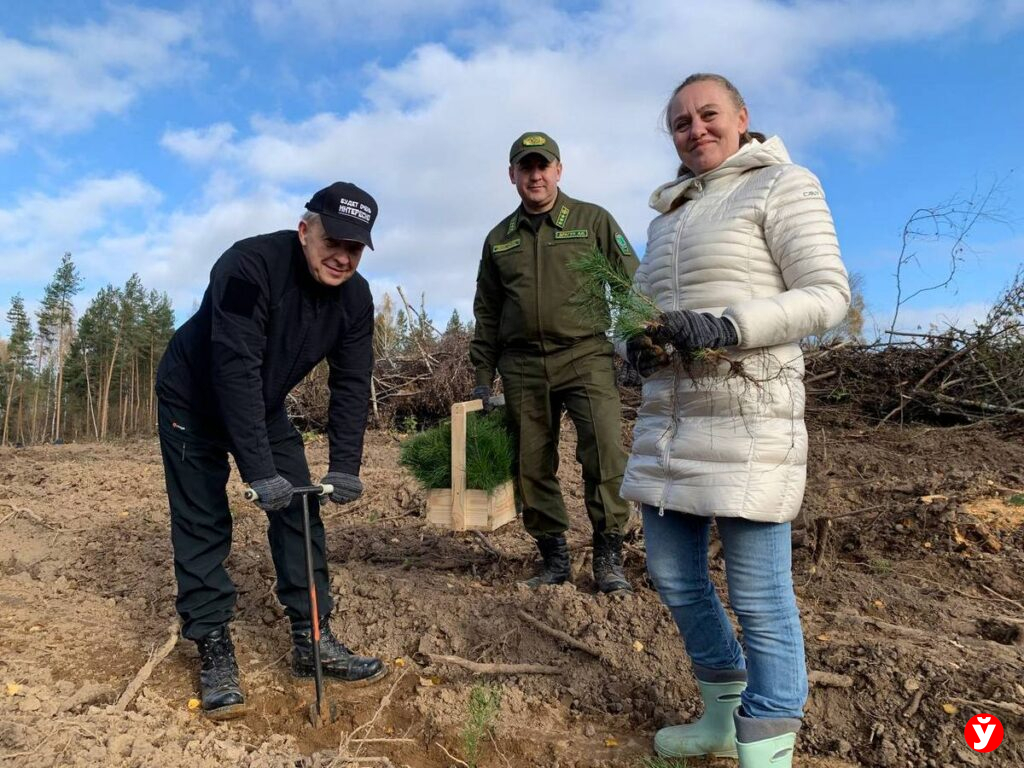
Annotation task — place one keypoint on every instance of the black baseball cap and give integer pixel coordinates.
(534, 143)
(347, 212)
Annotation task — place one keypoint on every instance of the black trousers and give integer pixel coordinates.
(196, 468)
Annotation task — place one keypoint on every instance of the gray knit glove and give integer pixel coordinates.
(690, 331)
(645, 356)
(482, 392)
(272, 493)
(346, 487)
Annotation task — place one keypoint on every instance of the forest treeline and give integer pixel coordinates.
(68, 378)
(64, 377)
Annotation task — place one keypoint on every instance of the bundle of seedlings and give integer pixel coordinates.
(489, 453)
(605, 288)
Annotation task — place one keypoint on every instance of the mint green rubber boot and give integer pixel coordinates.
(764, 742)
(715, 732)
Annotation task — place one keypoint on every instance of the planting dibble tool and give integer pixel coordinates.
(317, 715)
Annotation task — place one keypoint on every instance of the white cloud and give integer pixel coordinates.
(202, 145)
(40, 228)
(71, 75)
(430, 139)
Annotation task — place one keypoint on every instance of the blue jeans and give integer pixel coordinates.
(758, 565)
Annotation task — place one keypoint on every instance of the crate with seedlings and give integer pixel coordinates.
(466, 467)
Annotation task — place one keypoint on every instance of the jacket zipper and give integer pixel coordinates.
(667, 451)
(536, 258)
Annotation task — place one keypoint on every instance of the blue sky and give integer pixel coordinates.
(148, 137)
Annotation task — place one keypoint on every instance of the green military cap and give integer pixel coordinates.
(534, 143)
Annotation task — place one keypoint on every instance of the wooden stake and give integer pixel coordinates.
(459, 413)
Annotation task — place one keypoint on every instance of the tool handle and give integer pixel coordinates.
(319, 490)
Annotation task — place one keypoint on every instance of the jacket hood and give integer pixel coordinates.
(754, 154)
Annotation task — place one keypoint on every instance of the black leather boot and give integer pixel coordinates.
(557, 568)
(608, 574)
(336, 661)
(220, 692)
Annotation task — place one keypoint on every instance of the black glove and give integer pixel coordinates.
(272, 493)
(482, 392)
(645, 356)
(346, 487)
(689, 331)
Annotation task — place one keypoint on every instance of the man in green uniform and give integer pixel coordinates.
(553, 354)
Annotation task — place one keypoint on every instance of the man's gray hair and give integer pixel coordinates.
(310, 218)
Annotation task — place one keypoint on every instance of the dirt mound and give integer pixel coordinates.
(907, 565)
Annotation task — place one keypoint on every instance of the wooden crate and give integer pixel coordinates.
(462, 509)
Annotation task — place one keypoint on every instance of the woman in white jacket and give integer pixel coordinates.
(742, 263)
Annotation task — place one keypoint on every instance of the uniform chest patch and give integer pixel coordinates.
(502, 247)
(572, 234)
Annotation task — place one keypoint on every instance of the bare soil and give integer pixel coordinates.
(908, 567)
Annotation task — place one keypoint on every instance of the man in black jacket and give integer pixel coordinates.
(277, 304)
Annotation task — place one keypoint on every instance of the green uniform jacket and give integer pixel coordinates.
(525, 289)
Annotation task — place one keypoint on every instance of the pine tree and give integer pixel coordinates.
(19, 354)
(401, 331)
(454, 327)
(158, 327)
(55, 323)
(93, 355)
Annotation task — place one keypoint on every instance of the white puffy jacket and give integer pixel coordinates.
(751, 240)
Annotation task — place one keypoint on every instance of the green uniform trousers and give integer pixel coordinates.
(580, 378)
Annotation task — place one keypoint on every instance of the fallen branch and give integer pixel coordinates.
(986, 407)
(368, 725)
(495, 669)
(915, 702)
(558, 634)
(482, 540)
(451, 756)
(821, 528)
(347, 760)
(1005, 706)
(1002, 597)
(28, 513)
(821, 376)
(829, 679)
(854, 512)
(147, 669)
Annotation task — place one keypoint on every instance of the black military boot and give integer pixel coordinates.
(336, 661)
(557, 568)
(608, 563)
(220, 691)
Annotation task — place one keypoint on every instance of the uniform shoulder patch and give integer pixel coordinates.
(562, 216)
(239, 297)
(623, 243)
(572, 234)
(502, 247)
(512, 223)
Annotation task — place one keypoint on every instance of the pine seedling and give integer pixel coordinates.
(607, 290)
(490, 452)
(484, 703)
